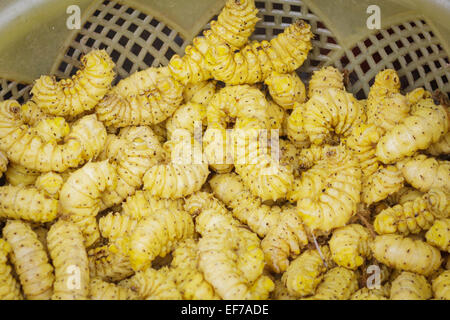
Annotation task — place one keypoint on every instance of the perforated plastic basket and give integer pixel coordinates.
(413, 39)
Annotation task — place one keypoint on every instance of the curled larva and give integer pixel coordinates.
(349, 246)
(234, 25)
(425, 126)
(146, 97)
(27, 203)
(410, 286)
(3, 163)
(80, 196)
(115, 225)
(254, 62)
(52, 129)
(306, 272)
(9, 287)
(406, 254)
(157, 235)
(201, 200)
(30, 260)
(23, 146)
(329, 192)
(68, 254)
(330, 110)
(70, 97)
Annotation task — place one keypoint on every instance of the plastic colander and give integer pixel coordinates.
(413, 38)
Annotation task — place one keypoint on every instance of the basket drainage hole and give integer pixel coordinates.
(157, 44)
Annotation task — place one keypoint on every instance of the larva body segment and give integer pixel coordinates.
(439, 234)
(9, 287)
(284, 240)
(80, 196)
(66, 246)
(306, 272)
(254, 62)
(133, 157)
(245, 207)
(144, 98)
(201, 92)
(379, 185)
(184, 172)
(234, 25)
(362, 142)
(440, 147)
(151, 284)
(404, 195)
(143, 204)
(102, 290)
(50, 183)
(425, 126)
(349, 246)
(201, 200)
(386, 106)
(186, 274)
(410, 286)
(370, 294)
(441, 286)
(107, 265)
(406, 254)
(338, 284)
(52, 129)
(116, 225)
(295, 126)
(189, 116)
(286, 89)
(425, 173)
(280, 292)
(17, 174)
(30, 260)
(71, 97)
(157, 235)
(329, 192)
(27, 203)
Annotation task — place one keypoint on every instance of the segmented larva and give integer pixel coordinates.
(66, 246)
(30, 260)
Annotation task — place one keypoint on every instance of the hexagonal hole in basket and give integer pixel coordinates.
(14, 90)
